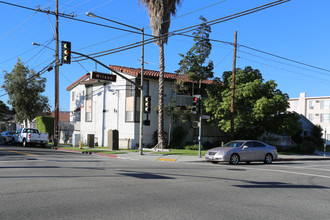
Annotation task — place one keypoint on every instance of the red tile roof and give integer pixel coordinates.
(152, 73)
(137, 72)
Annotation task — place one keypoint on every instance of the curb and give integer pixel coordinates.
(162, 159)
(85, 152)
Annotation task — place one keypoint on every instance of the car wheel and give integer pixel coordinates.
(214, 162)
(268, 159)
(24, 143)
(234, 159)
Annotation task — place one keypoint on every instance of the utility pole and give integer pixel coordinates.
(141, 95)
(233, 90)
(57, 63)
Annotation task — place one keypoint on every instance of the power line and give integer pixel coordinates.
(294, 61)
(213, 22)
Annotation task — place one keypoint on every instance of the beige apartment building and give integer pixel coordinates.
(315, 109)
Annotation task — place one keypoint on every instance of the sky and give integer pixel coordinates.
(296, 32)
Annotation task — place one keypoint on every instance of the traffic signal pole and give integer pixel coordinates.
(232, 120)
(57, 62)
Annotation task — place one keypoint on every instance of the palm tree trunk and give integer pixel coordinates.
(161, 97)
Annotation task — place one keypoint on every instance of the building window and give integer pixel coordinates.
(325, 118)
(132, 103)
(295, 105)
(311, 117)
(89, 103)
(77, 116)
(73, 93)
(325, 104)
(311, 104)
(129, 102)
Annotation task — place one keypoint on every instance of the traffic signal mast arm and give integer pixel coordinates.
(112, 70)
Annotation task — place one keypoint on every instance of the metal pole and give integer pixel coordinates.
(325, 143)
(103, 114)
(233, 90)
(56, 141)
(200, 136)
(141, 95)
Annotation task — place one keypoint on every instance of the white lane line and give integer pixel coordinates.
(291, 172)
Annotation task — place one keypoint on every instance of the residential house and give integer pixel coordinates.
(315, 109)
(100, 106)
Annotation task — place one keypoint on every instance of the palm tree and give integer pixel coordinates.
(160, 12)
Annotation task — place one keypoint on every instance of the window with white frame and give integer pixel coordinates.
(325, 118)
(311, 104)
(89, 103)
(295, 105)
(73, 94)
(325, 104)
(311, 117)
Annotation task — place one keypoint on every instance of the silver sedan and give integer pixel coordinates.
(242, 150)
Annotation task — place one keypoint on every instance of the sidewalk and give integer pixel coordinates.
(151, 156)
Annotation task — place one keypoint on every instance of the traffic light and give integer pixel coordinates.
(196, 104)
(66, 52)
(147, 104)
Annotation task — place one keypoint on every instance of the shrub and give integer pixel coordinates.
(193, 147)
(179, 133)
(305, 147)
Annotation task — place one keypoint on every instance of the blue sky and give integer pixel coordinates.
(296, 30)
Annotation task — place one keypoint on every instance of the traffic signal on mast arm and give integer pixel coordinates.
(196, 104)
(66, 52)
(147, 104)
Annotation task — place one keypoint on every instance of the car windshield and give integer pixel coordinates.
(234, 144)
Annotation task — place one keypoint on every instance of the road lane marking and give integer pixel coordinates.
(290, 172)
(12, 151)
(163, 159)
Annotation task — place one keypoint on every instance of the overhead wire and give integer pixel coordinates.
(42, 71)
(213, 22)
(283, 69)
(189, 29)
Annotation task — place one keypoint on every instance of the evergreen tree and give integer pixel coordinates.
(24, 88)
(192, 64)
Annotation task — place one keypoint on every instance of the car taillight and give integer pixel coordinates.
(29, 136)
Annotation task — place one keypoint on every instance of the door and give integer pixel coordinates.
(247, 152)
(260, 150)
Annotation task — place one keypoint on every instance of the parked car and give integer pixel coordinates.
(242, 150)
(29, 136)
(7, 135)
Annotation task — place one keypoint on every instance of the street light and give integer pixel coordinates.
(57, 63)
(90, 14)
(41, 45)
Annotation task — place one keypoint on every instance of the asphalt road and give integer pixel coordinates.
(38, 183)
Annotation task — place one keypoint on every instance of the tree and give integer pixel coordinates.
(3, 110)
(24, 88)
(259, 106)
(160, 12)
(191, 64)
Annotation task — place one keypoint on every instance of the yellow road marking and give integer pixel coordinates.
(12, 151)
(162, 159)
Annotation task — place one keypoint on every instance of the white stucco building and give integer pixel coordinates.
(99, 106)
(315, 109)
